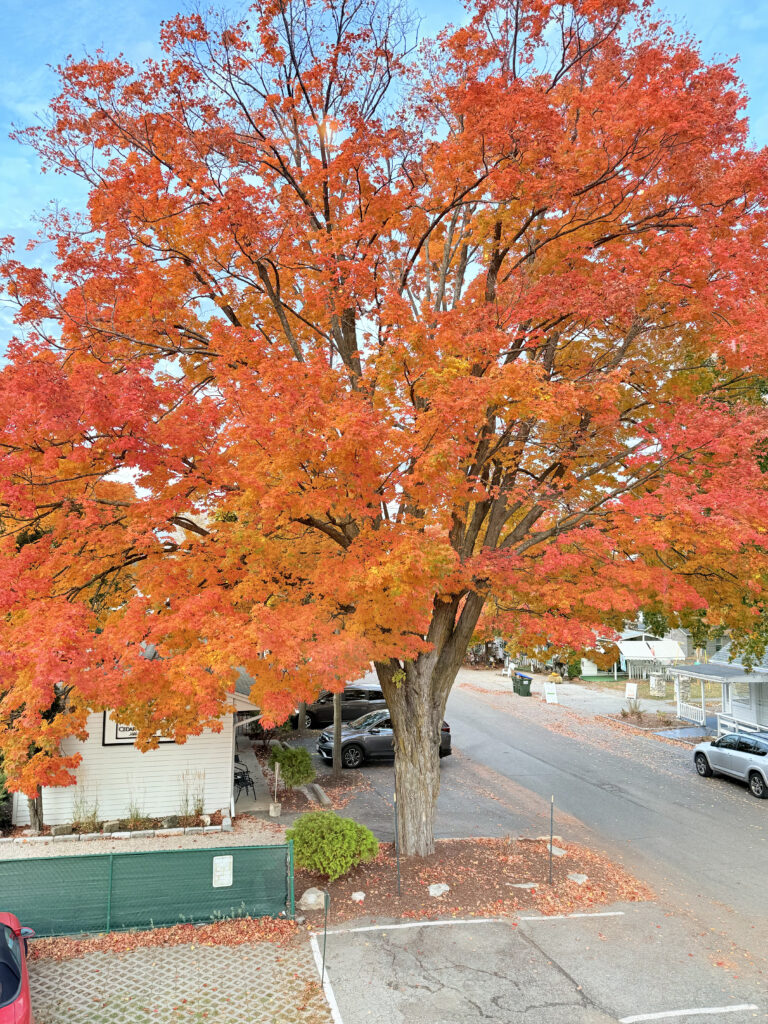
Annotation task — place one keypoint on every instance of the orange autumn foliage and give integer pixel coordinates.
(355, 343)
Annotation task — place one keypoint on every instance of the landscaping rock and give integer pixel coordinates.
(311, 900)
(61, 830)
(205, 820)
(172, 821)
(110, 826)
(358, 897)
(524, 885)
(226, 824)
(556, 851)
(577, 878)
(439, 889)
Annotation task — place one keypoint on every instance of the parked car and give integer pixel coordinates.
(738, 755)
(370, 738)
(15, 1004)
(357, 699)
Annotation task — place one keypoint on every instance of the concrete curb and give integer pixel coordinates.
(322, 796)
(159, 833)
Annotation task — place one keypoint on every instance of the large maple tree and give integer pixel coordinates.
(356, 343)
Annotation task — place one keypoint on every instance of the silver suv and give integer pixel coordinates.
(738, 755)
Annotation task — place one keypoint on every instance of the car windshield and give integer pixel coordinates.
(366, 721)
(10, 966)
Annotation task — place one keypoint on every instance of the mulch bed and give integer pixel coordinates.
(480, 874)
(340, 791)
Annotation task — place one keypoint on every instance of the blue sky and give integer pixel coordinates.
(39, 33)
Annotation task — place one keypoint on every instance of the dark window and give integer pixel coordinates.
(354, 695)
(729, 742)
(747, 745)
(375, 695)
(10, 966)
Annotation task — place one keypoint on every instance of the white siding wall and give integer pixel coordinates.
(117, 775)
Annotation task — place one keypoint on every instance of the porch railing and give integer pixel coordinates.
(727, 723)
(691, 712)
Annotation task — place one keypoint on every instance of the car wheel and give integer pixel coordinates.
(352, 756)
(702, 766)
(757, 786)
(309, 722)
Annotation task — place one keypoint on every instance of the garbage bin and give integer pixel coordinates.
(523, 685)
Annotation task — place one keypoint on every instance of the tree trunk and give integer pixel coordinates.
(337, 736)
(416, 707)
(300, 721)
(36, 811)
(416, 693)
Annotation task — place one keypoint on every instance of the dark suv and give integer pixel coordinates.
(357, 699)
(370, 738)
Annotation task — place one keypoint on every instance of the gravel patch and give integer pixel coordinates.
(246, 831)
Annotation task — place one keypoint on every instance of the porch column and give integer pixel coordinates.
(703, 703)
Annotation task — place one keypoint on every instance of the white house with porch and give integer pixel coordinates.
(743, 704)
(114, 776)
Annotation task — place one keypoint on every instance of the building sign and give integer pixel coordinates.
(630, 691)
(222, 871)
(116, 734)
(550, 693)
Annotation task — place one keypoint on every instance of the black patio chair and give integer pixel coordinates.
(243, 781)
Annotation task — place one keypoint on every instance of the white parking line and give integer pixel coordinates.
(414, 924)
(333, 1006)
(564, 917)
(699, 1011)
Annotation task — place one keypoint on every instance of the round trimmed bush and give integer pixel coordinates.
(331, 845)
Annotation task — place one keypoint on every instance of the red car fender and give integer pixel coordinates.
(20, 1010)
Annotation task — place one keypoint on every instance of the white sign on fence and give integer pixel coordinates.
(630, 691)
(550, 693)
(222, 871)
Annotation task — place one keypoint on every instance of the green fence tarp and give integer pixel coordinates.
(112, 891)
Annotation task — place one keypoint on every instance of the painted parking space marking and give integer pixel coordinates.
(413, 924)
(699, 1011)
(327, 987)
(569, 917)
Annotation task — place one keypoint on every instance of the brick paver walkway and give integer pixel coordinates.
(250, 984)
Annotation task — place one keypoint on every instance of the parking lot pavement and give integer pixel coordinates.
(256, 983)
(628, 964)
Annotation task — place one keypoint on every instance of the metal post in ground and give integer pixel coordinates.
(326, 901)
(551, 833)
(397, 845)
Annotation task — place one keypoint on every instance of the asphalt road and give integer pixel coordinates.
(702, 843)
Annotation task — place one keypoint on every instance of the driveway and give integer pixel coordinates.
(628, 964)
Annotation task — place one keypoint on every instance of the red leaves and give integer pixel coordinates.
(232, 932)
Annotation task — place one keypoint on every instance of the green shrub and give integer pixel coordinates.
(331, 845)
(296, 768)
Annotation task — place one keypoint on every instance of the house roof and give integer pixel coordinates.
(650, 649)
(720, 669)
